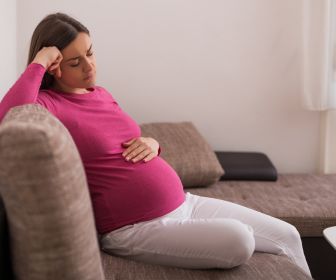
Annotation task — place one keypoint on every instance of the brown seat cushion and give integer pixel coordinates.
(260, 266)
(44, 190)
(305, 200)
(187, 151)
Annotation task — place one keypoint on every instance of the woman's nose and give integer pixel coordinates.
(88, 65)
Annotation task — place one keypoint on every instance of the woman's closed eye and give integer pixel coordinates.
(74, 65)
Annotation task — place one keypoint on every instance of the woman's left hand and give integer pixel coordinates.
(145, 148)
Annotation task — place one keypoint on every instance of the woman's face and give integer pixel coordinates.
(78, 66)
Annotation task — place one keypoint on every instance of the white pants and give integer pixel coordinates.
(206, 233)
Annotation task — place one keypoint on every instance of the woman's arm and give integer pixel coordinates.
(25, 90)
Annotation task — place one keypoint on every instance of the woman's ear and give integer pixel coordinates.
(56, 73)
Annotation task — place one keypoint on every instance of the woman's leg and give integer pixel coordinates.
(206, 233)
(271, 235)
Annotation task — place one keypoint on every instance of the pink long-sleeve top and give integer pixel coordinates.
(122, 192)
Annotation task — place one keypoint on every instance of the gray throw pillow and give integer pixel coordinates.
(186, 150)
(46, 197)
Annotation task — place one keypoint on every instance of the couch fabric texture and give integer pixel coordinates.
(259, 267)
(44, 189)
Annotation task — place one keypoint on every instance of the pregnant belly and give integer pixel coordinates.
(157, 181)
(124, 192)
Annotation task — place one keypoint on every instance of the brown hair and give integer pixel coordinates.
(54, 30)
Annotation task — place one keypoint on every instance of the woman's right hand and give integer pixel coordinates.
(50, 58)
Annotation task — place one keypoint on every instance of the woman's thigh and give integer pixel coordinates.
(188, 243)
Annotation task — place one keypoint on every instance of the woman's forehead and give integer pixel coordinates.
(77, 47)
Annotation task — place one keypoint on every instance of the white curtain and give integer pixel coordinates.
(319, 54)
(319, 73)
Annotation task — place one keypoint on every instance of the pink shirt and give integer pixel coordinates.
(122, 192)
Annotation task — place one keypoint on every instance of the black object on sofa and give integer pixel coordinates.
(247, 166)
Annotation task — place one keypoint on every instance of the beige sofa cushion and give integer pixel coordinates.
(45, 193)
(186, 150)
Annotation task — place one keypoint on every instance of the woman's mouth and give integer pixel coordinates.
(88, 77)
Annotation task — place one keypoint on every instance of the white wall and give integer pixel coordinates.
(8, 71)
(232, 67)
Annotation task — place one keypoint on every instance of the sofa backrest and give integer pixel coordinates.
(46, 198)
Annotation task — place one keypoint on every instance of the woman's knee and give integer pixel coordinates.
(242, 244)
(290, 234)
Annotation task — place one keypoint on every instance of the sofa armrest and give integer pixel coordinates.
(46, 198)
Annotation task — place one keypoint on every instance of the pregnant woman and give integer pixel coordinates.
(140, 208)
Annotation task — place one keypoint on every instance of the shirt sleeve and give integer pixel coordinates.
(25, 90)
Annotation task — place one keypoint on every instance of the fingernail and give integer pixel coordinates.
(127, 158)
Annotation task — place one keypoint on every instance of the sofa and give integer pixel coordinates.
(47, 228)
